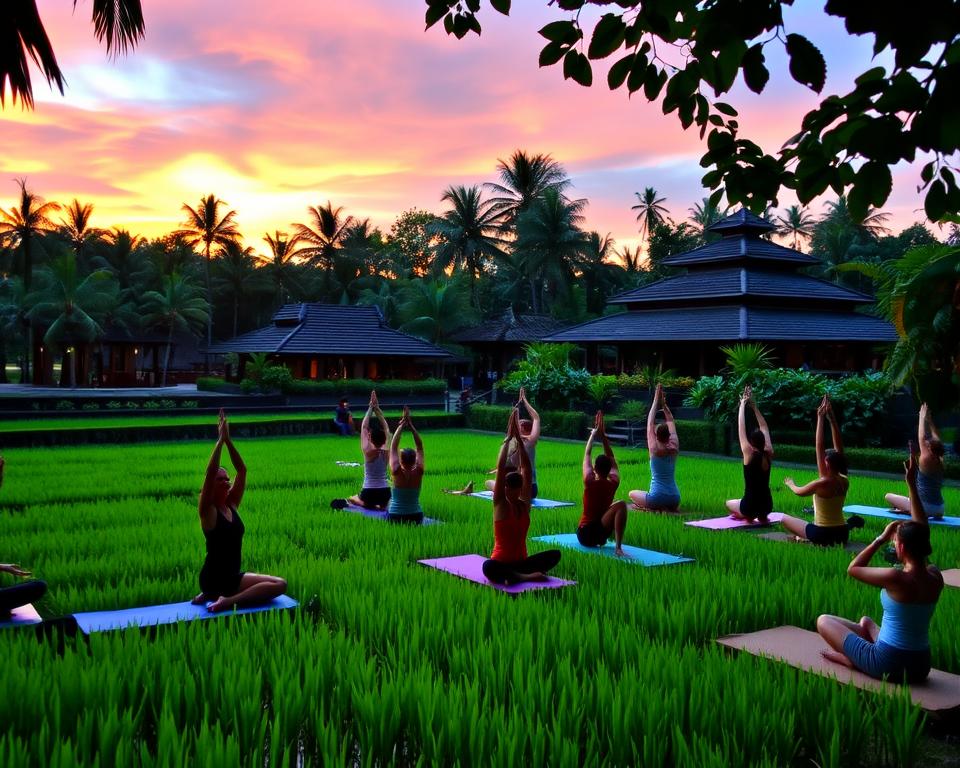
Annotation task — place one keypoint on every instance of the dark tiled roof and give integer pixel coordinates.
(730, 323)
(740, 248)
(329, 329)
(511, 328)
(742, 221)
(739, 282)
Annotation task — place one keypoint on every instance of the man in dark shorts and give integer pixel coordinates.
(343, 419)
(602, 516)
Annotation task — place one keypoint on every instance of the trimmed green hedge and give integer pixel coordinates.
(869, 459)
(700, 436)
(213, 384)
(337, 386)
(493, 418)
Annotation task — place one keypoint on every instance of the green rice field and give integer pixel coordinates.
(391, 663)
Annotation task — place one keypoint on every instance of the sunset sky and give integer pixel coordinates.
(355, 103)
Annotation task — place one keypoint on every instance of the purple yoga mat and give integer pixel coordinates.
(725, 523)
(470, 567)
(22, 616)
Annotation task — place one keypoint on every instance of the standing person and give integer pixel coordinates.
(757, 449)
(930, 477)
(222, 583)
(900, 647)
(374, 435)
(829, 490)
(509, 562)
(406, 466)
(19, 594)
(664, 447)
(529, 436)
(602, 516)
(343, 419)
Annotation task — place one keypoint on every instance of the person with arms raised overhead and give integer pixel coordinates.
(900, 647)
(509, 562)
(222, 583)
(664, 447)
(529, 436)
(757, 449)
(406, 466)
(602, 516)
(930, 477)
(829, 490)
(374, 435)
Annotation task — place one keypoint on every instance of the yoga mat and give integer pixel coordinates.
(153, 615)
(637, 556)
(726, 523)
(470, 567)
(545, 503)
(23, 616)
(378, 514)
(851, 546)
(951, 577)
(864, 511)
(801, 648)
(347, 463)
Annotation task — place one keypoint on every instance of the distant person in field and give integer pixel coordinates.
(757, 449)
(343, 419)
(829, 490)
(374, 436)
(602, 517)
(19, 594)
(899, 648)
(930, 477)
(509, 563)
(223, 585)
(664, 447)
(529, 436)
(406, 466)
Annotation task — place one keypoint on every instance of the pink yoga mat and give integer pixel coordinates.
(726, 523)
(470, 567)
(22, 616)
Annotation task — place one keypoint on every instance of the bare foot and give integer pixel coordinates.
(837, 658)
(467, 489)
(200, 599)
(220, 604)
(535, 576)
(620, 553)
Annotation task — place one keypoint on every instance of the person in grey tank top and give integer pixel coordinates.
(529, 436)
(374, 435)
(930, 477)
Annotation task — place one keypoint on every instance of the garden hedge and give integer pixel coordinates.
(493, 418)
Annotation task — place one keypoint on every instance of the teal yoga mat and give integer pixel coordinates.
(638, 556)
(864, 511)
(153, 615)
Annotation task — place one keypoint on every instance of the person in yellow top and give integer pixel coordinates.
(828, 491)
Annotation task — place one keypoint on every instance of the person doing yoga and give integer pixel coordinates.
(900, 647)
(19, 594)
(664, 446)
(930, 477)
(509, 562)
(222, 583)
(757, 449)
(406, 466)
(828, 491)
(529, 435)
(374, 435)
(602, 516)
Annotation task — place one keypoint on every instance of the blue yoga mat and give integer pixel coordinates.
(543, 503)
(637, 556)
(153, 615)
(859, 509)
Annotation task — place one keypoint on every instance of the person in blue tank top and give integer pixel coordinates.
(900, 647)
(406, 466)
(664, 446)
(930, 477)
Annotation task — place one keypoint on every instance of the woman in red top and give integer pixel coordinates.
(509, 563)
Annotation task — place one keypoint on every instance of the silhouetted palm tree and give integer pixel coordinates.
(796, 222)
(178, 307)
(21, 225)
(323, 236)
(599, 276)
(279, 265)
(649, 210)
(524, 179)
(235, 274)
(12, 310)
(75, 227)
(434, 309)
(122, 253)
(205, 225)
(704, 214)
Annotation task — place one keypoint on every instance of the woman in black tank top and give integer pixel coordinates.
(222, 583)
(757, 449)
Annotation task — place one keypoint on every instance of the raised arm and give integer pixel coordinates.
(588, 450)
(417, 442)
(500, 482)
(745, 446)
(526, 470)
(365, 444)
(673, 442)
(762, 426)
(235, 496)
(395, 446)
(614, 469)
(910, 468)
(534, 417)
(206, 509)
(819, 443)
(652, 419)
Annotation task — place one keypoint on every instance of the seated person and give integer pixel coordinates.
(829, 490)
(757, 449)
(602, 516)
(343, 419)
(930, 479)
(509, 562)
(529, 435)
(19, 594)
(406, 467)
(374, 434)
(222, 583)
(664, 446)
(900, 647)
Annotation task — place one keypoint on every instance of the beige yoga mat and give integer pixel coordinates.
(851, 546)
(952, 577)
(801, 648)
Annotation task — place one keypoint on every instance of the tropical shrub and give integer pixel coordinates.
(602, 389)
(747, 358)
(549, 379)
(640, 379)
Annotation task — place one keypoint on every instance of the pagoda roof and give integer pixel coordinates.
(729, 323)
(739, 282)
(741, 221)
(741, 248)
(511, 327)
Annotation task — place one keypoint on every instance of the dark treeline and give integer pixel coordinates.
(520, 241)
